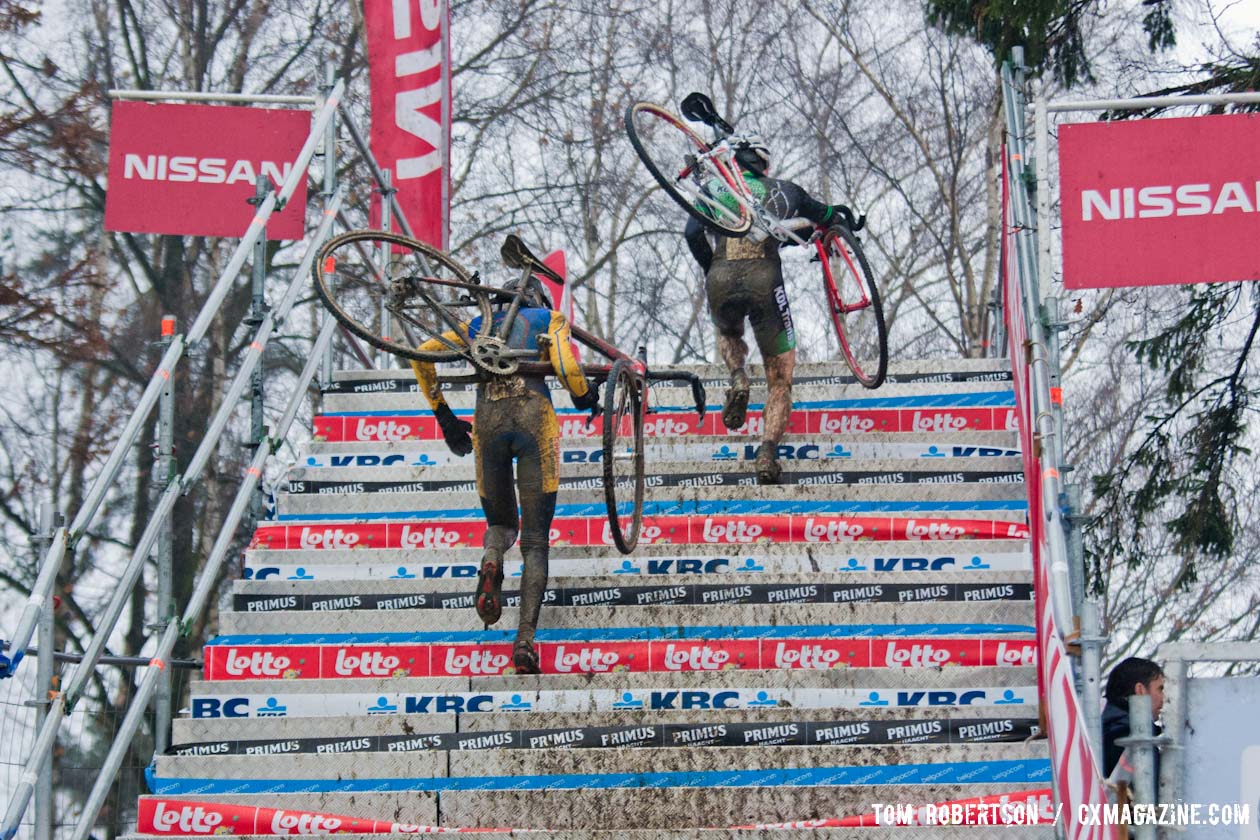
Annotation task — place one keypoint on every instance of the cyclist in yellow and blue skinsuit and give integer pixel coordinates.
(514, 419)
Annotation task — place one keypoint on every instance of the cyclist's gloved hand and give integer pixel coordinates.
(842, 213)
(456, 432)
(588, 402)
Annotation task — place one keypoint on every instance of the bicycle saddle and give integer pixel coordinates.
(698, 107)
(516, 255)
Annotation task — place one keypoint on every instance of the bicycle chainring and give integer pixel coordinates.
(491, 355)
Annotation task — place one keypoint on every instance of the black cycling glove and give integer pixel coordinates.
(456, 432)
(588, 401)
(841, 213)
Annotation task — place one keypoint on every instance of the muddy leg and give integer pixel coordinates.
(735, 407)
(778, 411)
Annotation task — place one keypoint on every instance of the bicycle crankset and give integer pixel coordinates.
(492, 355)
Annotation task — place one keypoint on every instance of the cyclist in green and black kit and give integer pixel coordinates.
(744, 280)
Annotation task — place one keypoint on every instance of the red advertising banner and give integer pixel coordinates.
(409, 72)
(665, 530)
(191, 818)
(1161, 201)
(339, 428)
(378, 661)
(190, 170)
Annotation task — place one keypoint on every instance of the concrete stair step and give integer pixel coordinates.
(938, 371)
(665, 501)
(286, 658)
(871, 560)
(984, 411)
(627, 729)
(498, 768)
(718, 448)
(441, 531)
(667, 397)
(667, 808)
(1000, 689)
(669, 621)
(253, 596)
(419, 808)
(850, 473)
(723, 735)
(654, 811)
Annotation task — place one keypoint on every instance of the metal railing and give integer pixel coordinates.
(38, 606)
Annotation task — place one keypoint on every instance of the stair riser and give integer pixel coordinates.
(492, 761)
(715, 733)
(745, 589)
(267, 565)
(829, 449)
(808, 394)
(663, 501)
(734, 474)
(744, 530)
(245, 731)
(288, 662)
(399, 427)
(249, 705)
(596, 622)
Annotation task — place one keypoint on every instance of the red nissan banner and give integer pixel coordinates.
(1160, 201)
(190, 170)
(409, 73)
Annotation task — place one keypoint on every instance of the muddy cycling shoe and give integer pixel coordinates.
(525, 658)
(490, 588)
(768, 469)
(735, 408)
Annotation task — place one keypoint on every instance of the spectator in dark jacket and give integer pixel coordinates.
(1132, 676)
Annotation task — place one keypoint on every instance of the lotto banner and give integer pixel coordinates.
(1150, 202)
(343, 428)
(181, 818)
(786, 732)
(371, 700)
(178, 817)
(677, 530)
(191, 169)
(410, 79)
(355, 661)
(1077, 778)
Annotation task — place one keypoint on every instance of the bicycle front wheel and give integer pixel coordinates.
(703, 184)
(623, 455)
(395, 293)
(856, 311)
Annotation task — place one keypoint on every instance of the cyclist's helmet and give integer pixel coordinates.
(751, 152)
(535, 296)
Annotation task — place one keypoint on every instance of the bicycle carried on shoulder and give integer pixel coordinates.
(706, 181)
(420, 293)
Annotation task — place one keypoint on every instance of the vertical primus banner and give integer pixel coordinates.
(409, 69)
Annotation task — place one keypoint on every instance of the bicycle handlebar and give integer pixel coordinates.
(697, 385)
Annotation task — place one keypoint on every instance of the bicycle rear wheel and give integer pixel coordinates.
(623, 455)
(703, 185)
(856, 311)
(420, 292)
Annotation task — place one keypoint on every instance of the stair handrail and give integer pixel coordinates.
(179, 485)
(209, 575)
(1076, 778)
(67, 537)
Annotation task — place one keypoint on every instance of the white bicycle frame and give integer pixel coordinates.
(761, 218)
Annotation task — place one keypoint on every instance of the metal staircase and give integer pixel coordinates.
(770, 655)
